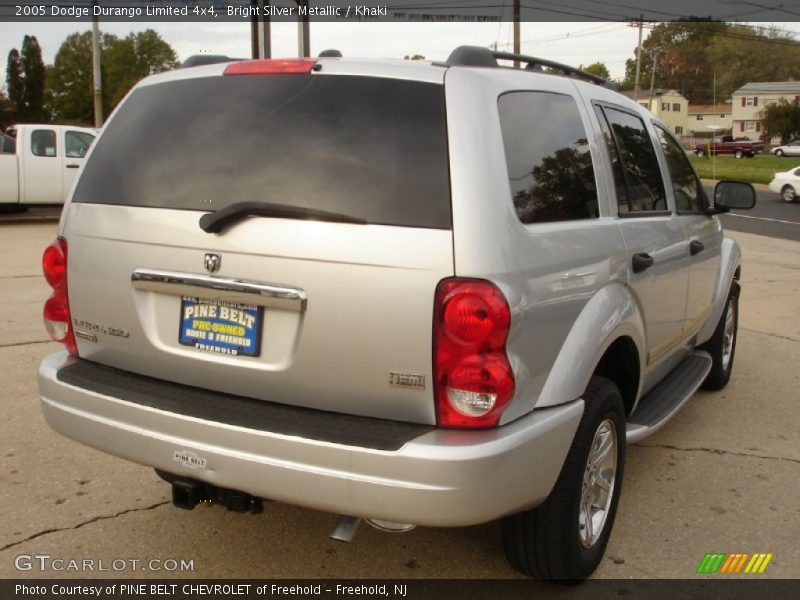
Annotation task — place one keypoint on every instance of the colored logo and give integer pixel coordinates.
(742, 562)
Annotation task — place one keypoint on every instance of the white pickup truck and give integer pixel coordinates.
(38, 163)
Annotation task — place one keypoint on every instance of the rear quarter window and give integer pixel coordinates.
(367, 147)
(550, 167)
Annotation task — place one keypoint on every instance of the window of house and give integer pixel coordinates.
(637, 176)
(689, 194)
(676, 107)
(678, 129)
(750, 126)
(549, 165)
(665, 106)
(749, 101)
(43, 143)
(699, 117)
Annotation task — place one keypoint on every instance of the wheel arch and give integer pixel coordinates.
(609, 328)
(730, 270)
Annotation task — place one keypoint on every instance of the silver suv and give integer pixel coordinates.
(415, 293)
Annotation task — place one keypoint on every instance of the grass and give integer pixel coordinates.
(758, 169)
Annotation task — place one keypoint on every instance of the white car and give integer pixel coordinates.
(786, 184)
(790, 149)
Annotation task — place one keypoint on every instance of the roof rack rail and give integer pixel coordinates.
(478, 56)
(199, 60)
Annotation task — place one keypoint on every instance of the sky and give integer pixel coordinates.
(571, 43)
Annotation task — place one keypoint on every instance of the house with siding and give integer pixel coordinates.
(668, 105)
(706, 120)
(750, 99)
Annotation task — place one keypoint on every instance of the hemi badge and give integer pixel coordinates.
(89, 337)
(407, 380)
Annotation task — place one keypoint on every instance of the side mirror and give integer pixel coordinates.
(734, 194)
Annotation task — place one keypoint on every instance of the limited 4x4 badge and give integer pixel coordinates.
(189, 459)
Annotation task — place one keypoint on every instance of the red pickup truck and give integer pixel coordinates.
(727, 145)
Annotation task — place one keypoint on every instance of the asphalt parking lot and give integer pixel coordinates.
(723, 476)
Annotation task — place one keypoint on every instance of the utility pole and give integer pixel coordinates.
(516, 31)
(260, 30)
(303, 32)
(637, 87)
(97, 77)
(653, 79)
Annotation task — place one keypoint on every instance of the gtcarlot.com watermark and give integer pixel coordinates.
(46, 563)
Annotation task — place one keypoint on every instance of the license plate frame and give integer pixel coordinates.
(217, 326)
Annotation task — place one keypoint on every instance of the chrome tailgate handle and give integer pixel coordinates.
(220, 288)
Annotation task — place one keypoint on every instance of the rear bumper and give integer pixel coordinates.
(441, 478)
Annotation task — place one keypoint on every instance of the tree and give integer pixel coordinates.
(69, 82)
(414, 57)
(14, 83)
(773, 56)
(597, 68)
(6, 112)
(123, 63)
(691, 52)
(34, 79)
(133, 58)
(782, 119)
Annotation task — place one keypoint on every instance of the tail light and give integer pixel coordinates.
(57, 319)
(473, 377)
(271, 66)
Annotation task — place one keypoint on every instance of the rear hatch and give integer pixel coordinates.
(321, 293)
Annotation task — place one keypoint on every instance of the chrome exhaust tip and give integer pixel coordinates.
(346, 528)
(390, 526)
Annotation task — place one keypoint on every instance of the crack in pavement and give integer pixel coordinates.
(775, 335)
(718, 451)
(83, 524)
(14, 344)
(21, 276)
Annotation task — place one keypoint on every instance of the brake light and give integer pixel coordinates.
(271, 66)
(57, 319)
(473, 376)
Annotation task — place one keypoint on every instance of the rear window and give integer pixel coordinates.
(370, 148)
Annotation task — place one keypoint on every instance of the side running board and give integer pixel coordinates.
(663, 401)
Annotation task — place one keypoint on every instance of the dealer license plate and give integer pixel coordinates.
(220, 326)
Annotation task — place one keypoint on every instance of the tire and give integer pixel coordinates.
(778, 152)
(789, 194)
(722, 345)
(699, 152)
(549, 541)
(738, 154)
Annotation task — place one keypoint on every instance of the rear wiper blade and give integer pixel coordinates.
(217, 221)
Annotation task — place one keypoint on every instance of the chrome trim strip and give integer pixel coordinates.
(219, 288)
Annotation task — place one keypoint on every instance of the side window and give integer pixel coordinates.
(43, 142)
(689, 194)
(9, 145)
(616, 162)
(76, 144)
(547, 154)
(643, 183)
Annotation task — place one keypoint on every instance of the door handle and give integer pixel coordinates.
(641, 262)
(696, 246)
(73, 166)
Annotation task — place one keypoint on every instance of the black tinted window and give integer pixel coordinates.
(362, 146)
(616, 162)
(9, 145)
(76, 143)
(43, 142)
(547, 154)
(644, 187)
(689, 195)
